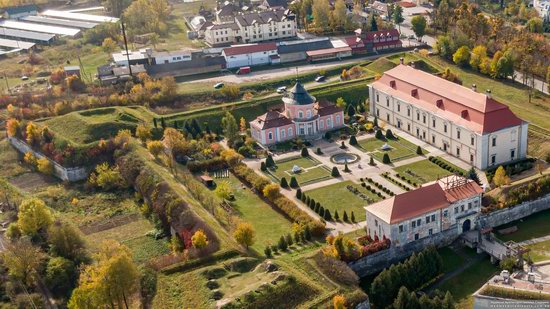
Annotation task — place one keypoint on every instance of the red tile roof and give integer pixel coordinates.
(425, 199)
(328, 51)
(248, 49)
(461, 105)
(271, 119)
(372, 34)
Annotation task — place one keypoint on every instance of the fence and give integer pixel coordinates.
(64, 173)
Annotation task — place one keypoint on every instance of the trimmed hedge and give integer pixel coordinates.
(445, 165)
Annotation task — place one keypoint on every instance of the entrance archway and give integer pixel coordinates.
(466, 225)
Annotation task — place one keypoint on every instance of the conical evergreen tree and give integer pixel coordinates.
(284, 184)
(345, 216)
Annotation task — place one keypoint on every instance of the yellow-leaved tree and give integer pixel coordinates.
(339, 301)
(500, 177)
(143, 133)
(33, 216)
(199, 239)
(155, 148)
(244, 234)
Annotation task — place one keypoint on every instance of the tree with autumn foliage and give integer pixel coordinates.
(13, 127)
(199, 239)
(339, 301)
(500, 178)
(244, 234)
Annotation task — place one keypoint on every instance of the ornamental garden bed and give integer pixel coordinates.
(421, 172)
(338, 197)
(311, 170)
(401, 149)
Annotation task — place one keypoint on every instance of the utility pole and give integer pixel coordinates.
(126, 45)
(7, 84)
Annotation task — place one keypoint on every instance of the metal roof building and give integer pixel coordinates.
(59, 22)
(39, 28)
(37, 37)
(80, 16)
(16, 44)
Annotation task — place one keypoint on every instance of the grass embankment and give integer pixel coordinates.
(338, 197)
(533, 226)
(89, 126)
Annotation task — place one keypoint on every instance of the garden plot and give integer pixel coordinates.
(311, 170)
(344, 196)
(400, 148)
(421, 172)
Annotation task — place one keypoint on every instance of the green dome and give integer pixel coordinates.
(298, 95)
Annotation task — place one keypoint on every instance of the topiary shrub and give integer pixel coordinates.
(379, 135)
(299, 194)
(389, 134)
(335, 172)
(318, 151)
(263, 167)
(371, 162)
(343, 146)
(386, 159)
(327, 216)
(293, 182)
(353, 140)
(305, 153)
(284, 183)
(267, 252)
(419, 151)
(269, 162)
(328, 135)
(345, 217)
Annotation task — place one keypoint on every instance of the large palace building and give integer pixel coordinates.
(466, 123)
(301, 117)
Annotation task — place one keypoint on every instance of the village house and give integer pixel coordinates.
(461, 121)
(250, 55)
(302, 116)
(272, 24)
(453, 202)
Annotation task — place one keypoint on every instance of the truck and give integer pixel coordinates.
(243, 70)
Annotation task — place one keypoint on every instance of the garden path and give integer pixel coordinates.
(534, 240)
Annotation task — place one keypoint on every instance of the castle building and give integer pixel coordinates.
(453, 202)
(302, 117)
(470, 125)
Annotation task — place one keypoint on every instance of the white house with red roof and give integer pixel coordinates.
(250, 55)
(302, 116)
(468, 124)
(453, 202)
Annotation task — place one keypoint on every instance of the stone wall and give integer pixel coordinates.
(376, 262)
(507, 215)
(64, 173)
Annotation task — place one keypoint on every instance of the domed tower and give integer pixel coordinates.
(300, 108)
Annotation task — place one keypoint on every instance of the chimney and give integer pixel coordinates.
(488, 93)
(474, 88)
(401, 60)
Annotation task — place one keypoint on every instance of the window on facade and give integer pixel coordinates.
(378, 112)
(433, 139)
(418, 116)
(418, 222)
(289, 131)
(456, 210)
(283, 133)
(513, 135)
(270, 136)
(445, 213)
(424, 118)
(494, 141)
(430, 232)
(401, 228)
(300, 114)
(377, 98)
(493, 159)
(458, 134)
(413, 224)
(470, 205)
(398, 107)
(472, 140)
(328, 123)
(427, 219)
(337, 119)
(416, 236)
(408, 112)
(512, 154)
(433, 218)
(387, 101)
(387, 117)
(408, 127)
(321, 124)
(445, 128)
(417, 132)
(375, 222)
(457, 152)
(308, 113)
(433, 122)
(471, 158)
(461, 208)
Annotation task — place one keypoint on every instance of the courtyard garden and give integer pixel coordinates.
(310, 170)
(344, 196)
(399, 148)
(421, 172)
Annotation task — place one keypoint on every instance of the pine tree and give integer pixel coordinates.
(267, 252)
(345, 217)
(269, 162)
(351, 110)
(372, 22)
(206, 127)
(335, 172)
(288, 239)
(336, 216)
(299, 194)
(293, 182)
(472, 174)
(352, 217)
(284, 184)
(282, 245)
(353, 140)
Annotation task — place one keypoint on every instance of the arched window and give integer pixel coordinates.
(328, 123)
(300, 114)
(308, 113)
(337, 119)
(269, 136)
(289, 131)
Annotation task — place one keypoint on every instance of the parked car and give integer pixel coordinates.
(24, 77)
(320, 78)
(281, 89)
(218, 86)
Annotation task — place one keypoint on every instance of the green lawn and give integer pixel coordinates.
(452, 165)
(400, 148)
(540, 251)
(380, 65)
(451, 260)
(533, 226)
(338, 197)
(422, 171)
(466, 283)
(312, 170)
(268, 223)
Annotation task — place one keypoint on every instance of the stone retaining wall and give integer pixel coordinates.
(64, 173)
(507, 215)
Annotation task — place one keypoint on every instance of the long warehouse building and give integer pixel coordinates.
(80, 16)
(16, 44)
(59, 22)
(29, 36)
(64, 31)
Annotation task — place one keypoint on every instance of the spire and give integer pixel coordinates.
(298, 95)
